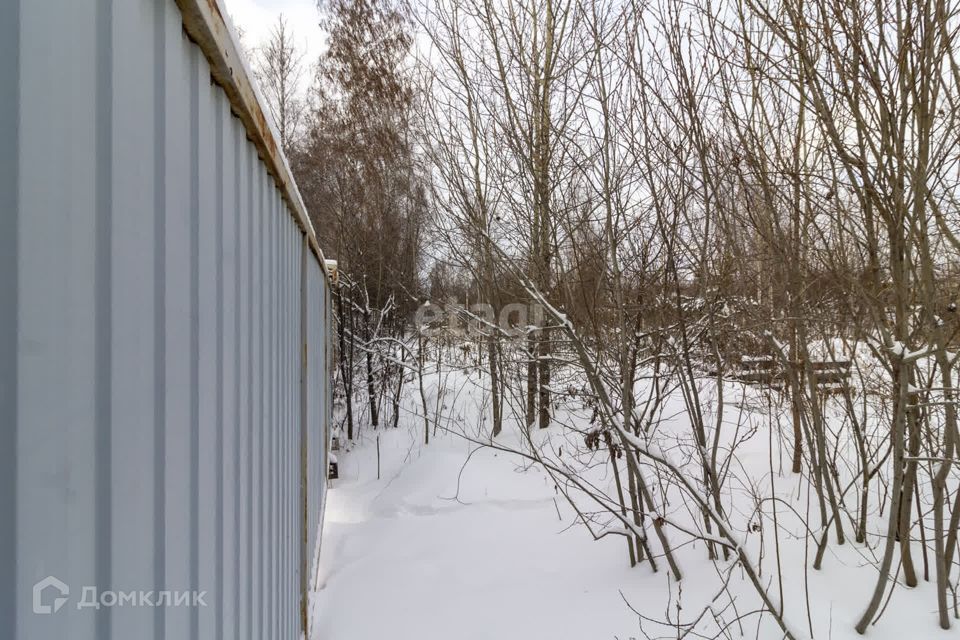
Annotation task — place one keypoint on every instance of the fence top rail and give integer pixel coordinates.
(207, 24)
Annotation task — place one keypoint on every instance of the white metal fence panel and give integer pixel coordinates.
(165, 326)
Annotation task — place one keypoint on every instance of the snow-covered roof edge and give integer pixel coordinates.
(208, 25)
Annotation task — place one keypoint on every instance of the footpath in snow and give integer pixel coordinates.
(410, 556)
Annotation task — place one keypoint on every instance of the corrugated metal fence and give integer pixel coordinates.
(164, 334)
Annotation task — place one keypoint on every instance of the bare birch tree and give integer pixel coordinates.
(279, 70)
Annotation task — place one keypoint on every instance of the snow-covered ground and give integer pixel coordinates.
(410, 556)
(457, 541)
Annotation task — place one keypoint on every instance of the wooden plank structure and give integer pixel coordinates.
(768, 370)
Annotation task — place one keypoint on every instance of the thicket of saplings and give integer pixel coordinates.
(843, 431)
(740, 223)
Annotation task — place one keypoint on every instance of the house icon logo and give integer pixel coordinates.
(50, 582)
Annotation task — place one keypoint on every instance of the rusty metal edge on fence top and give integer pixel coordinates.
(208, 26)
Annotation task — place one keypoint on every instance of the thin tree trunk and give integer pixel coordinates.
(543, 367)
(494, 358)
(346, 370)
(623, 504)
(532, 378)
(371, 387)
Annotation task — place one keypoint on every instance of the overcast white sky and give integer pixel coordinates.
(257, 17)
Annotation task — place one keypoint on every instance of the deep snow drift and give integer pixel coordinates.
(458, 541)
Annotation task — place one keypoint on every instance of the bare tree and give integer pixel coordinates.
(359, 170)
(279, 70)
